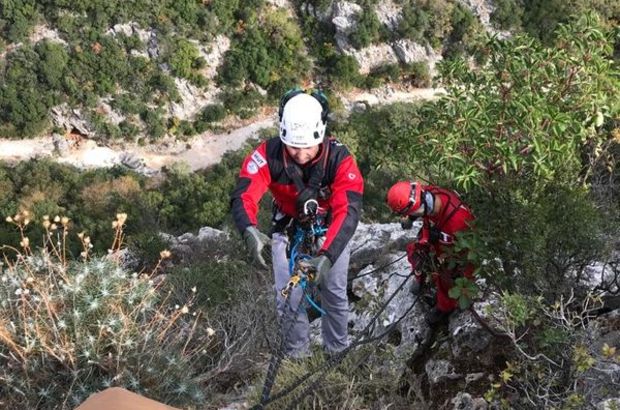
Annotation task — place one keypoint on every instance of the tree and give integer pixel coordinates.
(521, 136)
(507, 14)
(268, 52)
(368, 27)
(24, 102)
(529, 110)
(53, 59)
(17, 18)
(184, 58)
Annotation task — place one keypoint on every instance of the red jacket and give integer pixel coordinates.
(341, 190)
(454, 216)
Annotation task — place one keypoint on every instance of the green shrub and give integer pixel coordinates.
(243, 103)
(343, 69)
(466, 28)
(25, 96)
(418, 74)
(426, 21)
(216, 267)
(540, 19)
(367, 30)
(225, 11)
(382, 74)
(507, 14)
(17, 18)
(213, 113)
(154, 122)
(552, 352)
(185, 60)
(182, 202)
(543, 252)
(268, 51)
(128, 130)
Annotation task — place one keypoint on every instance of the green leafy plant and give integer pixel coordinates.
(464, 291)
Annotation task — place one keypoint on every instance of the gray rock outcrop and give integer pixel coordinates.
(70, 119)
(409, 52)
(344, 18)
(389, 14)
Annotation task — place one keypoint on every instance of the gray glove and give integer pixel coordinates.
(321, 265)
(255, 242)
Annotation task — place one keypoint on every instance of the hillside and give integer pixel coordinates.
(112, 70)
(126, 270)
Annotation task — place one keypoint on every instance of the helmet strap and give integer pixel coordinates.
(317, 172)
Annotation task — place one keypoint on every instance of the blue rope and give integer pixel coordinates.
(314, 305)
(300, 234)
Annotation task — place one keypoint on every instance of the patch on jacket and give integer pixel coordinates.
(259, 159)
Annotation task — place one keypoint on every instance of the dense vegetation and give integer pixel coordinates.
(530, 136)
(180, 201)
(75, 325)
(129, 58)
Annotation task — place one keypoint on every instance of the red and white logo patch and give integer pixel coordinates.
(252, 168)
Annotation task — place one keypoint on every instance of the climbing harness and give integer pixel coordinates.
(304, 245)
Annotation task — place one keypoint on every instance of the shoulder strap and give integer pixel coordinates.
(454, 209)
(317, 172)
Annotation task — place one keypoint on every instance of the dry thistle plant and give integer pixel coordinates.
(71, 328)
(119, 236)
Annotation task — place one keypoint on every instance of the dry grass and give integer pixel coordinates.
(71, 328)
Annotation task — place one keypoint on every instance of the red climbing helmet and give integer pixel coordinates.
(405, 197)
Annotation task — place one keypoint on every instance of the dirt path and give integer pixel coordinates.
(198, 152)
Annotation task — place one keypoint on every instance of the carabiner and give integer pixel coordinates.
(292, 283)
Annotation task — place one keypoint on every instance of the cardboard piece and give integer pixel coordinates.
(117, 398)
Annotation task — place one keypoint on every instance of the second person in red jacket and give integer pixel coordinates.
(443, 215)
(302, 165)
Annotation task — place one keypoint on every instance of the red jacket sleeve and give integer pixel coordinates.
(254, 179)
(345, 204)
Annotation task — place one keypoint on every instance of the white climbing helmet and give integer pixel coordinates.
(303, 121)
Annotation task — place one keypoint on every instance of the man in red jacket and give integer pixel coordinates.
(443, 215)
(298, 168)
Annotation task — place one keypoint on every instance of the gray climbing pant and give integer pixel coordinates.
(333, 301)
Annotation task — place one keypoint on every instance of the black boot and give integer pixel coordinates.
(417, 287)
(435, 316)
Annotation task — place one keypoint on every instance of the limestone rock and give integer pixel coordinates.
(464, 401)
(344, 18)
(439, 371)
(70, 119)
(61, 145)
(389, 13)
(373, 56)
(43, 32)
(380, 248)
(409, 52)
(467, 334)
